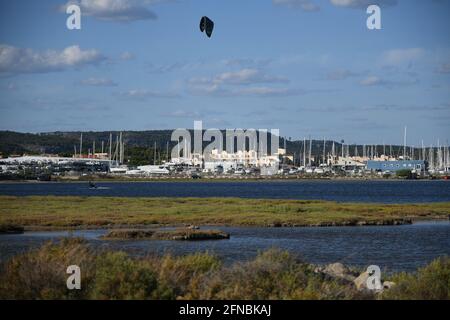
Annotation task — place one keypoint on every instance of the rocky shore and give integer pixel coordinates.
(351, 277)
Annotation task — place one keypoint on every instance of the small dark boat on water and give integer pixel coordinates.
(92, 185)
(196, 176)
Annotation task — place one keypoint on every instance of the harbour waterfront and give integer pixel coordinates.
(393, 248)
(377, 191)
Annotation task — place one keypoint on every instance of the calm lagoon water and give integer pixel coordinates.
(342, 191)
(393, 248)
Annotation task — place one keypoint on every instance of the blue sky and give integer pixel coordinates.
(307, 67)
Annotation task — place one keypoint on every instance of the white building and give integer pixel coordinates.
(227, 161)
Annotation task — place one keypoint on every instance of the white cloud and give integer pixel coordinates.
(247, 62)
(341, 74)
(362, 3)
(15, 60)
(444, 68)
(397, 57)
(12, 87)
(372, 81)
(142, 94)
(377, 81)
(305, 5)
(245, 82)
(310, 5)
(182, 114)
(267, 91)
(218, 90)
(127, 56)
(244, 76)
(165, 68)
(98, 82)
(116, 10)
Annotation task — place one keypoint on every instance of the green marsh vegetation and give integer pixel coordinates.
(181, 234)
(67, 212)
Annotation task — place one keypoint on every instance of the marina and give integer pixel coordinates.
(249, 157)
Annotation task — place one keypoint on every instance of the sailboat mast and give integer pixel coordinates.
(304, 151)
(110, 146)
(310, 150)
(404, 145)
(120, 149)
(81, 144)
(167, 151)
(324, 143)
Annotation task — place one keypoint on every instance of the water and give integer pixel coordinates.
(343, 191)
(393, 248)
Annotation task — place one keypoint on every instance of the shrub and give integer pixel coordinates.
(119, 277)
(273, 274)
(404, 173)
(41, 274)
(178, 275)
(430, 283)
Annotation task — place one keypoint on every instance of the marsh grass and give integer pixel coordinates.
(107, 212)
(273, 274)
(429, 282)
(177, 234)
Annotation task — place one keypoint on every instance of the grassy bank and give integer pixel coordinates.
(274, 274)
(6, 228)
(179, 234)
(105, 212)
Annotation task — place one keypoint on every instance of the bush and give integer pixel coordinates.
(273, 274)
(429, 283)
(41, 274)
(119, 277)
(179, 275)
(404, 173)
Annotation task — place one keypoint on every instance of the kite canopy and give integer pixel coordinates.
(206, 25)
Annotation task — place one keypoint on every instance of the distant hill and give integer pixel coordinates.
(64, 142)
(141, 142)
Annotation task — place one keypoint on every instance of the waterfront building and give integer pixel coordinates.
(347, 163)
(229, 161)
(393, 166)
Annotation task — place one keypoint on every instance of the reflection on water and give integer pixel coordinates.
(393, 248)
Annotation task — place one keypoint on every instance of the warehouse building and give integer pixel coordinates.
(393, 166)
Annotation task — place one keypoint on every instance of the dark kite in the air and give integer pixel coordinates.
(206, 25)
